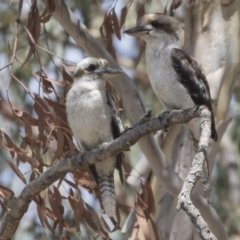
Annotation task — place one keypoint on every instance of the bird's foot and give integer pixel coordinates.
(126, 128)
(103, 146)
(67, 155)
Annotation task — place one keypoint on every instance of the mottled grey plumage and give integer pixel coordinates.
(93, 117)
(175, 76)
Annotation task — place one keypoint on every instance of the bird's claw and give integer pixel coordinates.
(67, 155)
(103, 146)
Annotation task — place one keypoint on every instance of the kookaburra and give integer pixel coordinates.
(93, 118)
(176, 78)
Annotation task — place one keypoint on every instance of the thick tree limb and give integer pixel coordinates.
(80, 161)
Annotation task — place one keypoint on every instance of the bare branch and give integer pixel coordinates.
(194, 175)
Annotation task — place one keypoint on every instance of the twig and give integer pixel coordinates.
(194, 174)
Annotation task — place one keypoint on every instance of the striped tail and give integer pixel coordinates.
(106, 186)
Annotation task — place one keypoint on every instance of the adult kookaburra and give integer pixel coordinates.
(175, 76)
(93, 118)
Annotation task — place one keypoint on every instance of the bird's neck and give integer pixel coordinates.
(160, 44)
(86, 84)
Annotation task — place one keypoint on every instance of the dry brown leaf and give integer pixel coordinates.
(47, 85)
(72, 184)
(66, 77)
(26, 158)
(25, 117)
(123, 15)
(84, 180)
(33, 23)
(57, 193)
(3, 194)
(155, 230)
(51, 214)
(41, 123)
(34, 27)
(70, 146)
(44, 114)
(32, 176)
(60, 117)
(60, 227)
(4, 205)
(43, 104)
(71, 229)
(9, 145)
(33, 143)
(151, 201)
(116, 25)
(50, 5)
(6, 193)
(78, 208)
(140, 11)
(142, 220)
(71, 201)
(45, 16)
(60, 144)
(17, 171)
(91, 217)
(148, 199)
(107, 29)
(93, 220)
(103, 28)
(111, 49)
(49, 81)
(70, 68)
(42, 214)
(57, 207)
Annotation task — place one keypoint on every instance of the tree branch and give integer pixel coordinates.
(79, 161)
(194, 175)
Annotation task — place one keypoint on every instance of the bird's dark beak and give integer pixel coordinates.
(108, 72)
(138, 31)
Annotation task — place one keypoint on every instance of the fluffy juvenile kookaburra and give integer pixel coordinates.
(93, 118)
(175, 76)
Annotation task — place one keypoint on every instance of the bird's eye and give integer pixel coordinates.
(91, 68)
(155, 23)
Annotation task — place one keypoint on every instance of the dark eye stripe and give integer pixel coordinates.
(166, 27)
(155, 23)
(91, 68)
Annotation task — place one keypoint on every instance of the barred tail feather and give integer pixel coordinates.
(106, 185)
